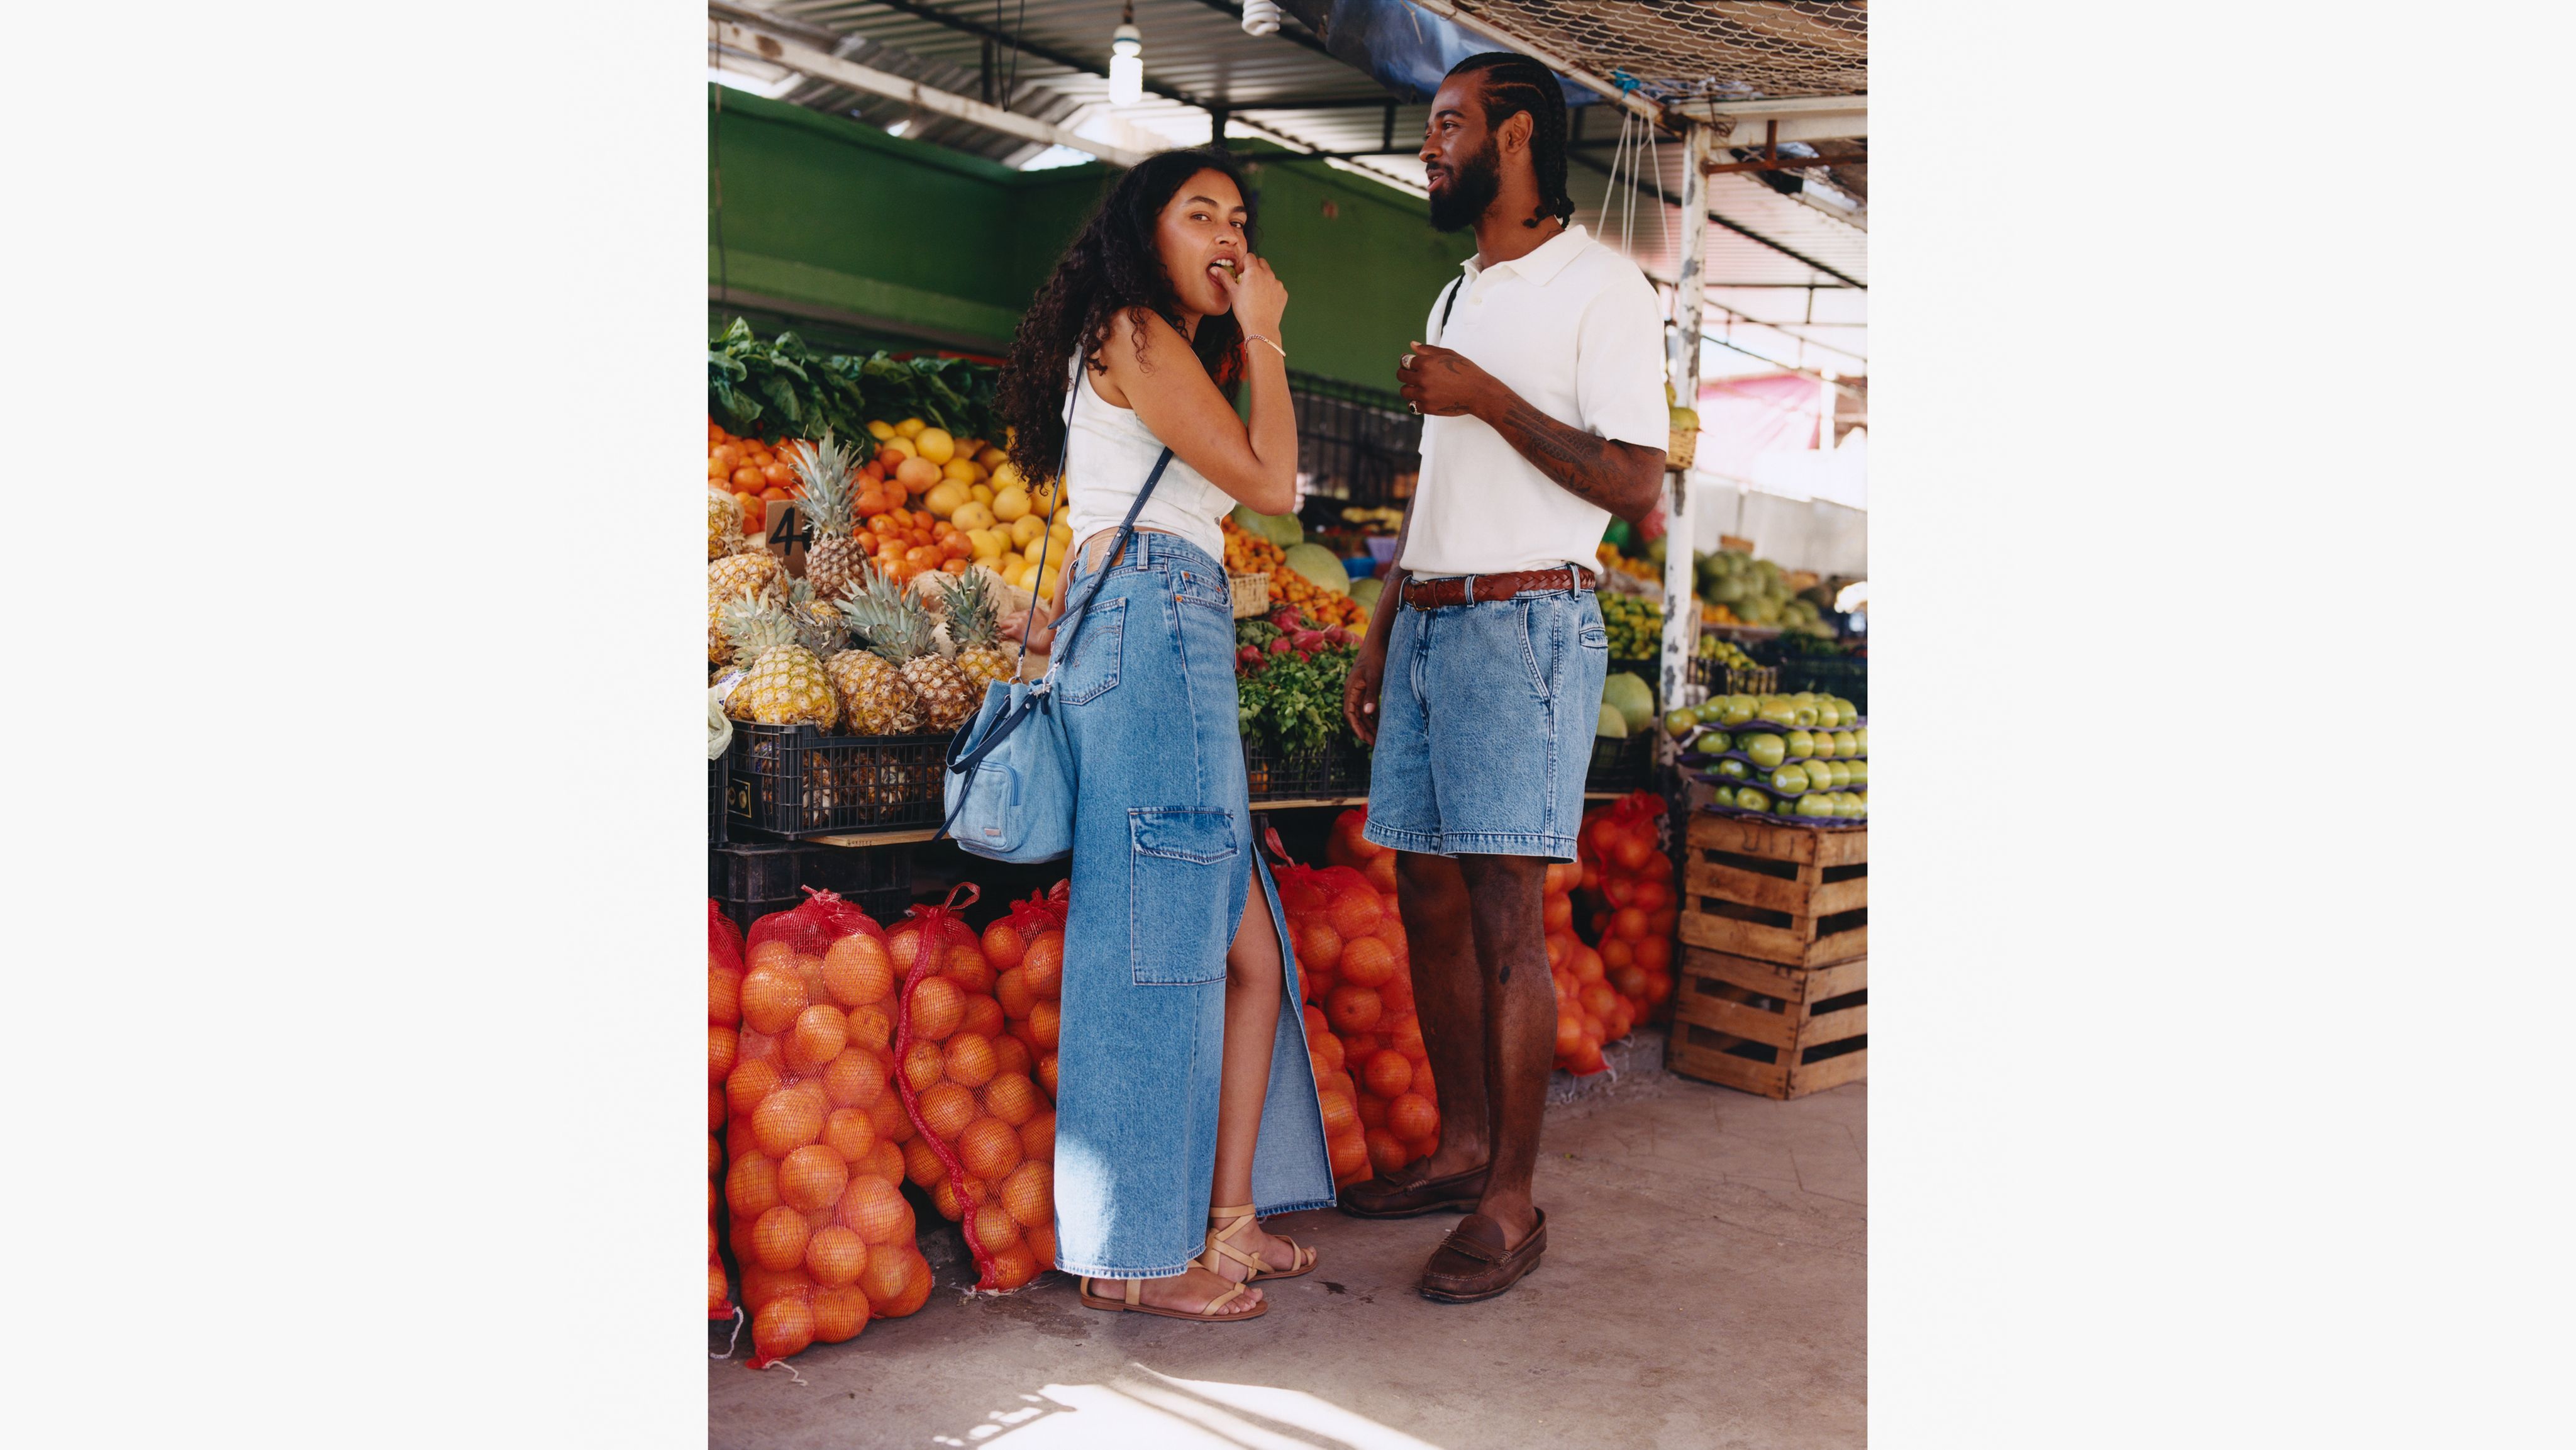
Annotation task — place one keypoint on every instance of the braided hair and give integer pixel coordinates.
(1514, 82)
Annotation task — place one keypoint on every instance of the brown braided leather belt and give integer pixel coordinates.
(1467, 589)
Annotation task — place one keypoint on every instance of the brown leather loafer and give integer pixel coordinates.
(1471, 1263)
(1392, 1198)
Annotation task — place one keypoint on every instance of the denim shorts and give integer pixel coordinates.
(1485, 726)
(1163, 853)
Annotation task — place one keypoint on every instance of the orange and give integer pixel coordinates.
(839, 1314)
(849, 1134)
(943, 1196)
(1422, 1079)
(715, 1108)
(921, 1165)
(1557, 913)
(1003, 947)
(1041, 1242)
(1046, 1023)
(854, 1079)
(1588, 966)
(1046, 1074)
(1628, 923)
(1011, 989)
(1597, 998)
(1655, 953)
(760, 1286)
(902, 945)
(1653, 896)
(1315, 1060)
(1044, 963)
(885, 1160)
(1011, 1097)
(857, 970)
(1386, 1153)
(1013, 1267)
(1340, 1114)
(721, 1041)
(1029, 1194)
(1010, 1058)
(1349, 1155)
(1367, 962)
(1319, 947)
(1354, 912)
(1412, 1117)
(724, 995)
(749, 1084)
(1372, 1111)
(995, 1229)
(896, 1284)
(1037, 1135)
(1629, 982)
(937, 1004)
(1380, 872)
(774, 954)
(924, 1065)
(983, 1017)
(782, 1327)
(751, 1186)
(835, 1256)
(785, 1121)
(1387, 1073)
(1353, 1009)
(717, 1302)
(778, 1238)
(1314, 1019)
(990, 1148)
(818, 1036)
(812, 1177)
(893, 1124)
(965, 965)
(946, 1109)
(872, 1027)
(771, 999)
(970, 1059)
(1404, 1033)
(715, 1156)
(1615, 953)
(874, 1209)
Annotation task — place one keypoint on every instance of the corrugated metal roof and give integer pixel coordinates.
(1765, 251)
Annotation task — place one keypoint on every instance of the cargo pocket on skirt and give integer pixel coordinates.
(1179, 874)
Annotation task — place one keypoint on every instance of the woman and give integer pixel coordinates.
(1185, 1094)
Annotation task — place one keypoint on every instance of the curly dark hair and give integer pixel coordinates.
(1113, 266)
(1511, 82)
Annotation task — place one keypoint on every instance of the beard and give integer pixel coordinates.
(1471, 188)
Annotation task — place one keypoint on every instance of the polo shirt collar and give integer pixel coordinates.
(1543, 262)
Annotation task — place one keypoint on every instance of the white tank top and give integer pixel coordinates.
(1112, 451)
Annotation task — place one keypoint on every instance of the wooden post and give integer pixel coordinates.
(1681, 603)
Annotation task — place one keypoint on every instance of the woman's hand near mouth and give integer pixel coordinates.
(1256, 298)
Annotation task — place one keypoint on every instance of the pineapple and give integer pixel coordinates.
(898, 629)
(971, 628)
(786, 684)
(832, 559)
(753, 574)
(724, 524)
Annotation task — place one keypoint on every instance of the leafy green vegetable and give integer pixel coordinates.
(781, 389)
(1293, 703)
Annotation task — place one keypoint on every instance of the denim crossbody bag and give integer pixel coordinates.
(1010, 780)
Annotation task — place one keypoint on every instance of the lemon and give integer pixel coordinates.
(935, 444)
(972, 515)
(910, 427)
(1010, 505)
(880, 429)
(961, 469)
(992, 457)
(988, 544)
(944, 497)
(983, 492)
(1006, 474)
(1026, 529)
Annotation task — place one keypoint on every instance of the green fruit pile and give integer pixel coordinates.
(1635, 625)
(1758, 591)
(1725, 652)
(1793, 755)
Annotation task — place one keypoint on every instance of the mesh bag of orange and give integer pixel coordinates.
(1628, 886)
(1026, 951)
(724, 1016)
(985, 1148)
(1374, 1079)
(814, 1133)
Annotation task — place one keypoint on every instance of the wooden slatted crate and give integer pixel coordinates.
(1760, 1027)
(1775, 891)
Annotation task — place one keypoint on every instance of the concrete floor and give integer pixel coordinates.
(1705, 1285)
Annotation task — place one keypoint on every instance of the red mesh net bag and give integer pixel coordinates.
(1026, 950)
(1356, 969)
(1628, 890)
(985, 1145)
(724, 1016)
(814, 1134)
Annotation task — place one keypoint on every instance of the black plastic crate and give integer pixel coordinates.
(1622, 765)
(1842, 676)
(1340, 768)
(1724, 679)
(716, 801)
(751, 879)
(856, 871)
(794, 781)
(1354, 444)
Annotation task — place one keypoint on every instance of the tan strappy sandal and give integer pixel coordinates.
(1220, 1246)
(1134, 1303)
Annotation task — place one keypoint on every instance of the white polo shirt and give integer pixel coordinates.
(1575, 330)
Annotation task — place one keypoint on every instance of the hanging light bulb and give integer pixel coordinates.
(1261, 17)
(1127, 60)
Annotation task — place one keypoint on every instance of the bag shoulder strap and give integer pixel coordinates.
(1066, 631)
(1449, 299)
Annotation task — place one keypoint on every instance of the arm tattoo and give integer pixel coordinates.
(1616, 476)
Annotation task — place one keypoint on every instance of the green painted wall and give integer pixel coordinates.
(828, 212)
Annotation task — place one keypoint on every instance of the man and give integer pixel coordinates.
(1480, 679)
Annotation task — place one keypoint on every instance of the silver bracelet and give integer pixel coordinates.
(1265, 342)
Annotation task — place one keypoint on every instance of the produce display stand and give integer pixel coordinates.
(1771, 990)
